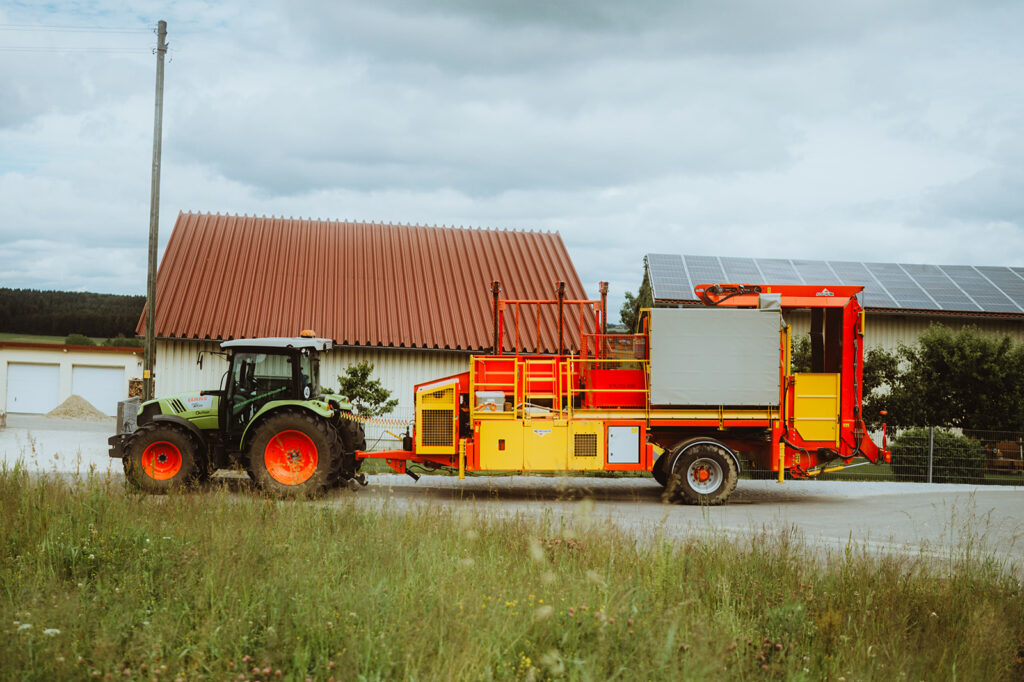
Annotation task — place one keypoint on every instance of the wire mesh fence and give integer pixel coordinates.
(947, 455)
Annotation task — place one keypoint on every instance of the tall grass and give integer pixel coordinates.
(97, 582)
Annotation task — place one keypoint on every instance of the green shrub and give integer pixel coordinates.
(956, 459)
(78, 340)
(123, 341)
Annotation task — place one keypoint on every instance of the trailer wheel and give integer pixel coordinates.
(703, 472)
(161, 457)
(290, 454)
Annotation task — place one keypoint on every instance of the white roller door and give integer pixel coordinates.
(103, 387)
(32, 387)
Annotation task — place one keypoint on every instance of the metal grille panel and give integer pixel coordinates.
(584, 445)
(437, 428)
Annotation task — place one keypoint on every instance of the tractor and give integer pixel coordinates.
(269, 417)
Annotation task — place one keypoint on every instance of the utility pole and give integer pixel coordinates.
(154, 214)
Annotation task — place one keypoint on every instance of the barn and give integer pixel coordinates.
(901, 300)
(413, 300)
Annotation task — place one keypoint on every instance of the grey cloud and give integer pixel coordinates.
(992, 195)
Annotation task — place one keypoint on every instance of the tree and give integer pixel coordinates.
(800, 360)
(368, 396)
(629, 314)
(963, 379)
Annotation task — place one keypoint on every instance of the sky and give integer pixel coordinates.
(862, 130)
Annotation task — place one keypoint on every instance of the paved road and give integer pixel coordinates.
(904, 518)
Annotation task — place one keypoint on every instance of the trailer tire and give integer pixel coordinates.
(291, 454)
(703, 471)
(162, 457)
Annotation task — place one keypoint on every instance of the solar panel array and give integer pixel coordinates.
(960, 288)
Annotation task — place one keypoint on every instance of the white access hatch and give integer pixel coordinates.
(623, 444)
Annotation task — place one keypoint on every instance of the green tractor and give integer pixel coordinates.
(269, 417)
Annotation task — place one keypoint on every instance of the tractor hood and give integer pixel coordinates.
(195, 407)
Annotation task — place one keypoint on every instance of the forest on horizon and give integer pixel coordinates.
(61, 313)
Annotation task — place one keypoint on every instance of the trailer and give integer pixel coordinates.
(691, 397)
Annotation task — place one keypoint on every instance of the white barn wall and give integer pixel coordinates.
(887, 331)
(397, 369)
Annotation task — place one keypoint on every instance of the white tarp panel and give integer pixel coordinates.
(32, 388)
(714, 356)
(103, 387)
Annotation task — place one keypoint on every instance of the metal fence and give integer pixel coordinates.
(948, 455)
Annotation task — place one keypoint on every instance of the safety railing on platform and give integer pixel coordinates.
(515, 386)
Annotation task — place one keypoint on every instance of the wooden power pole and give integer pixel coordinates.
(154, 215)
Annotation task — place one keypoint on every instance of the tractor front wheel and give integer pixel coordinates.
(161, 457)
(702, 471)
(290, 454)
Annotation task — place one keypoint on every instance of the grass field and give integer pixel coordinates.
(96, 582)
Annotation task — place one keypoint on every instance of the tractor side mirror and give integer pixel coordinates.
(199, 361)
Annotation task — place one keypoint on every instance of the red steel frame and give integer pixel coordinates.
(591, 386)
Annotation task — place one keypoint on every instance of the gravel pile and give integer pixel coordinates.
(77, 407)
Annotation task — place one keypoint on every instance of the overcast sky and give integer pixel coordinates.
(862, 130)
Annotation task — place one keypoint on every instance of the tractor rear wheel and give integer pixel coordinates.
(702, 471)
(161, 457)
(291, 454)
(353, 438)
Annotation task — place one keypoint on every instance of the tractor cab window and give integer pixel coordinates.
(256, 379)
(309, 371)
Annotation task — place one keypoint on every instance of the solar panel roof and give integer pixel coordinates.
(954, 288)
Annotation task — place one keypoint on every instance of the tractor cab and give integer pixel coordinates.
(265, 370)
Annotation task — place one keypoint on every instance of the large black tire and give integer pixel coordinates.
(659, 471)
(161, 457)
(702, 472)
(353, 438)
(292, 454)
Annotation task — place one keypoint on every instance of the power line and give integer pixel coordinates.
(37, 29)
(101, 50)
(74, 29)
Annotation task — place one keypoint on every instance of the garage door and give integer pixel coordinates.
(32, 387)
(101, 386)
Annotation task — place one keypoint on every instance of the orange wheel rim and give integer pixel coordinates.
(161, 460)
(291, 457)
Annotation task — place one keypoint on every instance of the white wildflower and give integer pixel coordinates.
(51, 632)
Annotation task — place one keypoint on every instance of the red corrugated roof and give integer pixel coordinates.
(360, 284)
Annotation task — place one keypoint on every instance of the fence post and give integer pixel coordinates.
(931, 450)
